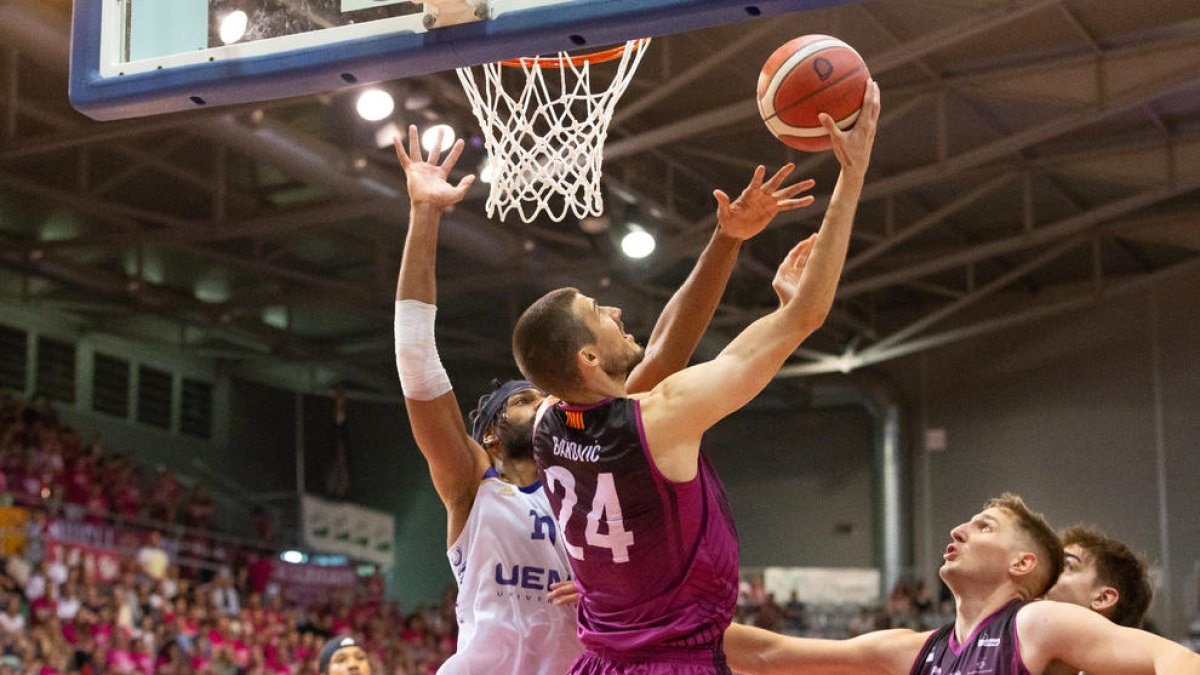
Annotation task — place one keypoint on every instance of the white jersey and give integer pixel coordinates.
(504, 562)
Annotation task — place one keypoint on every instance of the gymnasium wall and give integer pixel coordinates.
(1071, 413)
(800, 485)
(388, 473)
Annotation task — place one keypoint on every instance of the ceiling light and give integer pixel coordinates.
(429, 137)
(386, 134)
(233, 26)
(487, 171)
(638, 243)
(375, 104)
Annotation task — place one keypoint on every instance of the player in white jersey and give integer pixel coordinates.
(502, 540)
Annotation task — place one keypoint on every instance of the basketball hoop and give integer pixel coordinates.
(546, 138)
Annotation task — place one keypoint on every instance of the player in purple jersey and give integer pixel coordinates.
(644, 518)
(464, 464)
(996, 563)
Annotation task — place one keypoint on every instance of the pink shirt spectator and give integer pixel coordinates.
(102, 635)
(259, 575)
(120, 661)
(143, 662)
(241, 653)
(79, 481)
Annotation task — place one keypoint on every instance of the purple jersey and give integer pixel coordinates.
(656, 560)
(992, 648)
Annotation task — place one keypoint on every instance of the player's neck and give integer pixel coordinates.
(520, 472)
(596, 389)
(974, 607)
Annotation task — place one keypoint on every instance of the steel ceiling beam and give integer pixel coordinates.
(974, 296)
(930, 220)
(275, 223)
(1043, 235)
(982, 22)
(1087, 298)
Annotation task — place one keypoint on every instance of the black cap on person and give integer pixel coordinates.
(331, 648)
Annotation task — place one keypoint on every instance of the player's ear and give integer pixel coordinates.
(1104, 599)
(588, 357)
(1025, 563)
(489, 438)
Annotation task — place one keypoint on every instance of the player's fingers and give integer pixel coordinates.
(436, 152)
(831, 127)
(452, 158)
(464, 183)
(401, 152)
(789, 204)
(794, 254)
(871, 102)
(722, 201)
(783, 172)
(414, 143)
(756, 181)
(795, 189)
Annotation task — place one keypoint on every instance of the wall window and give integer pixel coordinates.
(110, 385)
(56, 370)
(13, 358)
(154, 397)
(195, 411)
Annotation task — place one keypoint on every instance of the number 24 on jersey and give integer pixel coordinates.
(605, 506)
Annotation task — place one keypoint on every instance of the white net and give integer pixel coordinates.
(545, 134)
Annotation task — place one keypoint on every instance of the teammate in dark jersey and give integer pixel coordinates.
(995, 565)
(644, 518)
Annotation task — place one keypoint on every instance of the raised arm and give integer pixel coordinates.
(678, 412)
(456, 462)
(754, 651)
(686, 316)
(1055, 632)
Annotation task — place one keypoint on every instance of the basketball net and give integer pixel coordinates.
(544, 134)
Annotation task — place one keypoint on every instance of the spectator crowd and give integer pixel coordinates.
(203, 607)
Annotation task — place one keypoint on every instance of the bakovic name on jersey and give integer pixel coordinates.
(655, 559)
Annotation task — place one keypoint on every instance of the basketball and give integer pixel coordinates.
(806, 76)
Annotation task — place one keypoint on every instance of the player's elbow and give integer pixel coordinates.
(811, 320)
(805, 318)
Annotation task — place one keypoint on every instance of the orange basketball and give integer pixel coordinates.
(806, 76)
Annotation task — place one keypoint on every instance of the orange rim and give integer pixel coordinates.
(559, 62)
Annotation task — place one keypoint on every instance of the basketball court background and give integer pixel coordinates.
(1023, 274)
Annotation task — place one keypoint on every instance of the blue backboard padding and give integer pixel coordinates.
(388, 57)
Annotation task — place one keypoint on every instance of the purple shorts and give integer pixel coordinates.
(651, 662)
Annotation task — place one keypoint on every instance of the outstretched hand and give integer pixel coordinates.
(853, 147)
(428, 181)
(760, 202)
(787, 277)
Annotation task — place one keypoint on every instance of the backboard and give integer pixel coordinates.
(131, 58)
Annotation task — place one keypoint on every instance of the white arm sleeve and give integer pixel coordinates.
(422, 376)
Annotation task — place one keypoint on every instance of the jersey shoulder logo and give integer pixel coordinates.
(575, 419)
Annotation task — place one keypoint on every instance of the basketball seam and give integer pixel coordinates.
(798, 101)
